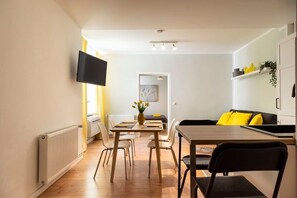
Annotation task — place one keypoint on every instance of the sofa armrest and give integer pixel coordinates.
(198, 122)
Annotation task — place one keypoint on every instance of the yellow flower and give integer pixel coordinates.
(140, 105)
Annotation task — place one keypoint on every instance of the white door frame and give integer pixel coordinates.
(167, 74)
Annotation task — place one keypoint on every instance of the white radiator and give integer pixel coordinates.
(58, 151)
(93, 127)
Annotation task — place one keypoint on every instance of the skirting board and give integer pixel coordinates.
(42, 188)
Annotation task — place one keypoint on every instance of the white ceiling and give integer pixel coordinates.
(199, 26)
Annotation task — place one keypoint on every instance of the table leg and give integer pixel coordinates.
(179, 166)
(114, 155)
(192, 169)
(158, 155)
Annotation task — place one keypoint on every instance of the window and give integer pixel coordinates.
(92, 104)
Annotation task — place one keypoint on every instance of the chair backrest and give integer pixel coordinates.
(170, 126)
(104, 133)
(256, 156)
(111, 123)
(172, 132)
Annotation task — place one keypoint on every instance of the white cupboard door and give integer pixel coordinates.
(286, 101)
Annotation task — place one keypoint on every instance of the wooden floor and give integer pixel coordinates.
(78, 182)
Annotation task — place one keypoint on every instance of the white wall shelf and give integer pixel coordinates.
(256, 72)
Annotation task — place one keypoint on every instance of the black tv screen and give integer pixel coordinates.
(91, 69)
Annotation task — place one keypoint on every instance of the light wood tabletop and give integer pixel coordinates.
(152, 126)
(203, 135)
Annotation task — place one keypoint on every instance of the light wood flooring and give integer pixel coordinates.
(78, 182)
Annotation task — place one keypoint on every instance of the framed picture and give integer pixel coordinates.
(148, 93)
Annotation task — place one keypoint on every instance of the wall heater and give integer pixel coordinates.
(58, 151)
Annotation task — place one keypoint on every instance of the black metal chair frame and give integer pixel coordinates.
(235, 157)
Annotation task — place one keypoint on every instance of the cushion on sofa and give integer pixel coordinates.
(256, 120)
(268, 118)
(238, 118)
(224, 118)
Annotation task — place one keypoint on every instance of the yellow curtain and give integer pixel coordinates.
(84, 104)
(100, 99)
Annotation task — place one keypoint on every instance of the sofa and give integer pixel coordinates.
(268, 118)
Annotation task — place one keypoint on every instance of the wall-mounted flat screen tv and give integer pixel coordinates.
(91, 69)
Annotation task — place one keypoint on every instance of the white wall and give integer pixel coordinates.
(160, 106)
(255, 92)
(200, 84)
(38, 57)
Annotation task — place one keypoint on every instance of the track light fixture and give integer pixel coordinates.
(154, 47)
(174, 47)
(162, 45)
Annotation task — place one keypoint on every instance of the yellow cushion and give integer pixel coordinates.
(238, 118)
(156, 115)
(224, 118)
(229, 122)
(257, 120)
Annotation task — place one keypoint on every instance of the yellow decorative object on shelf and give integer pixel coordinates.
(249, 69)
(245, 70)
(252, 68)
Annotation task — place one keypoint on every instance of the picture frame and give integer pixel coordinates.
(149, 93)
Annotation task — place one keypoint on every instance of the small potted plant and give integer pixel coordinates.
(272, 66)
(141, 106)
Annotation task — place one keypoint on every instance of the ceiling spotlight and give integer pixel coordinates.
(174, 47)
(160, 78)
(154, 47)
(163, 47)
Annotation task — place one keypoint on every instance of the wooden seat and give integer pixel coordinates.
(164, 145)
(109, 146)
(164, 138)
(127, 137)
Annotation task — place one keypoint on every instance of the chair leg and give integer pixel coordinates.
(196, 189)
(174, 157)
(128, 150)
(125, 163)
(150, 161)
(132, 155)
(105, 150)
(132, 151)
(183, 182)
(109, 157)
(104, 158)
(133, 144)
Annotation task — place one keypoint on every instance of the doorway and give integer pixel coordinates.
(160, 83)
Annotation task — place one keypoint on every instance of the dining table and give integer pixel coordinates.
(211, 135)
(149, 126)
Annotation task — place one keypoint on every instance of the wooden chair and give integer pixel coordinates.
(164, 145)
(109, 146)
(235, 157)
(164, 138)
(127, 137)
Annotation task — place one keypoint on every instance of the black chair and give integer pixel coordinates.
(234, 157)
(202, 160)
